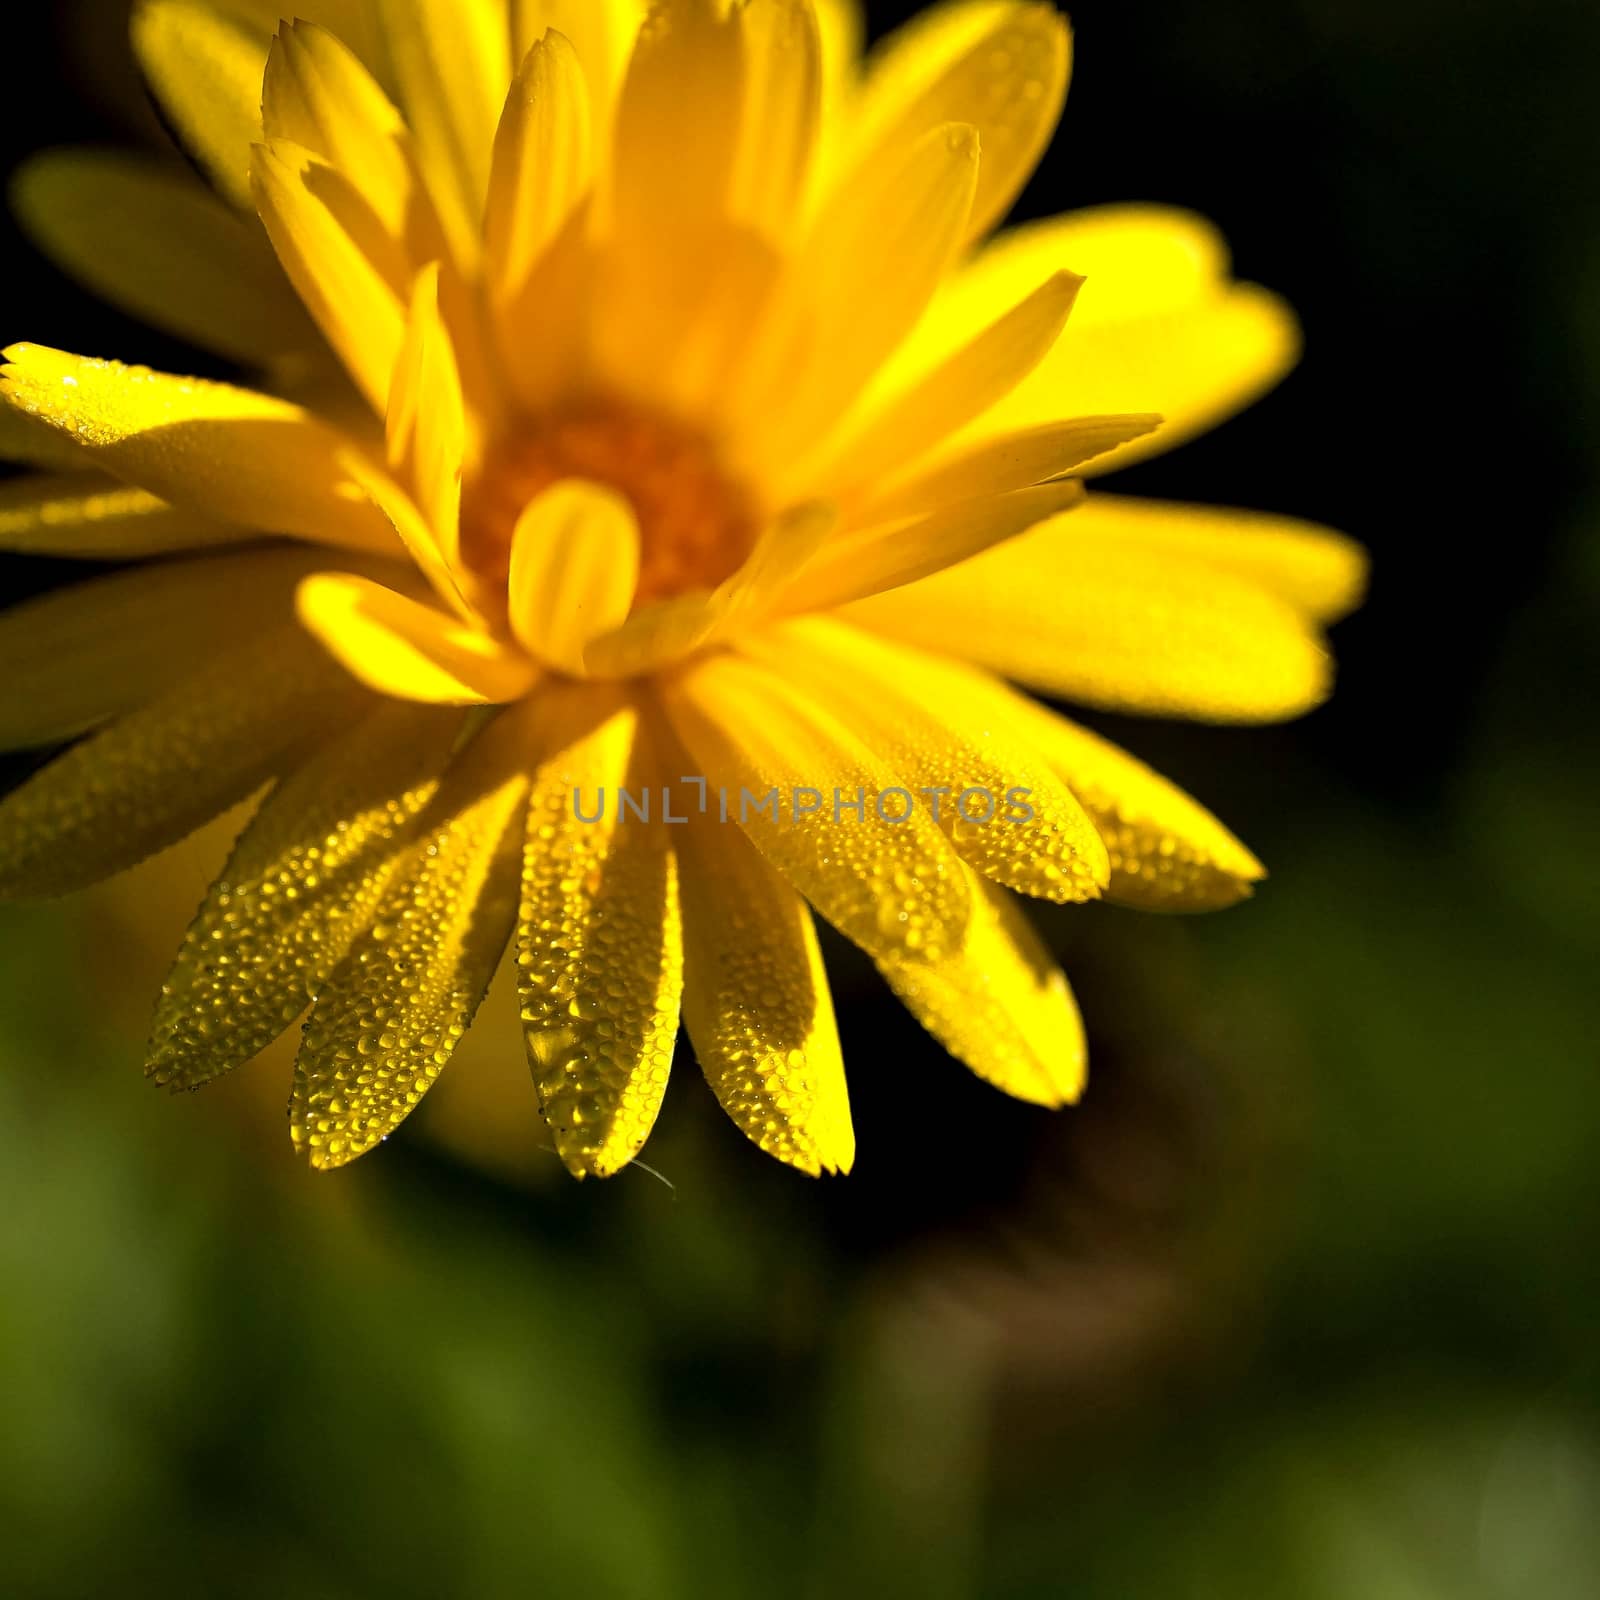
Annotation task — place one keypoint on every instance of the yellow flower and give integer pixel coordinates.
(648, 405)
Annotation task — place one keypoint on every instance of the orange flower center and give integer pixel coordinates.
(696, 523)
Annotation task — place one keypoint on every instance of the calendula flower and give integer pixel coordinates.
(636, 400)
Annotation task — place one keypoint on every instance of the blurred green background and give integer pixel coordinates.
(1301, 1302)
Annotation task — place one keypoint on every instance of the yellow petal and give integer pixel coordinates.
(1131, 631)
(665, 630)
(88, 514)
(782, 107)
(868, 561)
(600, 938)
(858, 284)
(302, 882)
(782, 760)
(1167, 852)
(574, 568)
(160, 247)
(677, 130)
(950, 736)
(401, 647)
(426, 423)
(316, 94)
(80, 655)
(1315, 569)
(226, 452)
(756, 1000)
(453, 64)
(205, 68)
(1001, 1005)
(1196, 366)
(543, 163)
(1001, 67)
(343, 264)
(993, 467)
(903, 426)
(152, 776)
(26, 440)
(386, 1023)
(601, 31)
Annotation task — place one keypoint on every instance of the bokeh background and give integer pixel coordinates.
(1301, 1302)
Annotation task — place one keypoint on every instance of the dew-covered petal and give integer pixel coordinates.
(302, 882)
(1002, 67)
(893, 886)
(145, 780)
(1130, 630)
(387, 1022)
(950, 737)
(756, 1000)
(1002, 1005)
(574, 569)
(78, 656)
(89, 515)
(223, 451)
(161, 247)
(600, 938)
(403, 647)
(1167, 852)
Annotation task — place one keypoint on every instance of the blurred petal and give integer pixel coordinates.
(80, 655)
(453, 64)
(302, 882)
(90, 515)
(374, 1045)
(782, 107)
(1002, 67)
(205, 68)
(159, 246)
(893, 887)
(1001, 1005)
(1132, 631)
(152, 776)
(402, 647)
(600, 952)
(543, 163)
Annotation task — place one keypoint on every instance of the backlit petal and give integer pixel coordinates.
(401, 647)
(88, 514)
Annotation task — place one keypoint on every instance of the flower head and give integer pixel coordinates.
(651, 471)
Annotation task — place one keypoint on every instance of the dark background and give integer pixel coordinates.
(1300, 1302)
